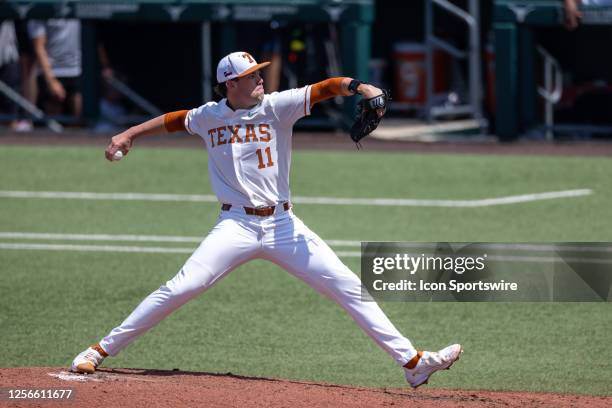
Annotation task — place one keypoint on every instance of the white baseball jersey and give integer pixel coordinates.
(249, 150)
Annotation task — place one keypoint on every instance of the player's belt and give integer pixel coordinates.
(260, 211)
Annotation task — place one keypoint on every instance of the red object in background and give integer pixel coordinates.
(411, 76)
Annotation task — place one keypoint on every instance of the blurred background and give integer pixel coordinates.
(466, 69)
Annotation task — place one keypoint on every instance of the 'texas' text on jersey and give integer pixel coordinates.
(248, 133)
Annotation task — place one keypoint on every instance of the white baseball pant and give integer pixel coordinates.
(281, 238)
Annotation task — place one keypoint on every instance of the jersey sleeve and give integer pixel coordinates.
(291, 105)
(195, 120)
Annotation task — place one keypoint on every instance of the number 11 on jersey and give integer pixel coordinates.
(261, 159)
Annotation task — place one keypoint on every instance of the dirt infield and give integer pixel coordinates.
(154, 388)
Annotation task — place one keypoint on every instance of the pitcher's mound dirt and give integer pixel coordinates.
(155, 388)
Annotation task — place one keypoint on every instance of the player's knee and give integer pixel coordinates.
(348, 286)
(185, 284)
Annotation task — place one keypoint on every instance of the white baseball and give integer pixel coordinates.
(118, 155)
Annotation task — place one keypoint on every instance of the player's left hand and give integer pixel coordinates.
(122, 142)
(369, 91)
(370, 111)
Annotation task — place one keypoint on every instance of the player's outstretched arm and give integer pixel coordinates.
(370, 109)
(340, 86)
(167, 123)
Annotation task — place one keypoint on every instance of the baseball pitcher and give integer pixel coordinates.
(248, 138)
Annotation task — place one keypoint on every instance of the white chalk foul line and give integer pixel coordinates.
(529, 247)
(96, 248)
(123, 238)
(409, 202)
(98, 237)
(131, 238)
(395, 202)
(83, 195)
(117, 248)
(343, 254)
(334, 243)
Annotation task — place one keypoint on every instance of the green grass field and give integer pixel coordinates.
(260, 321)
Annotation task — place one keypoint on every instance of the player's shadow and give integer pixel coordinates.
(175, 372)
(145, 372)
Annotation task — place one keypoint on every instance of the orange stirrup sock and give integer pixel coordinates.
(99, 350)
(413, 361)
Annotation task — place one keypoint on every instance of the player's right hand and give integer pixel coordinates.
(370, 91)
(121, 142)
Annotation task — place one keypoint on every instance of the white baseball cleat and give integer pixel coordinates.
(428, 362)
(87, 361)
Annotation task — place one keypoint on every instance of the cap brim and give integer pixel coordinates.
(254, 68)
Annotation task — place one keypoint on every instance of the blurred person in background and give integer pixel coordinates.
(573, 13)
(57, 46)
(113, 111)
(587, 93)
(105, 64)
(9, 68)
(27, 71)
(272, 51)
(111, 104)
